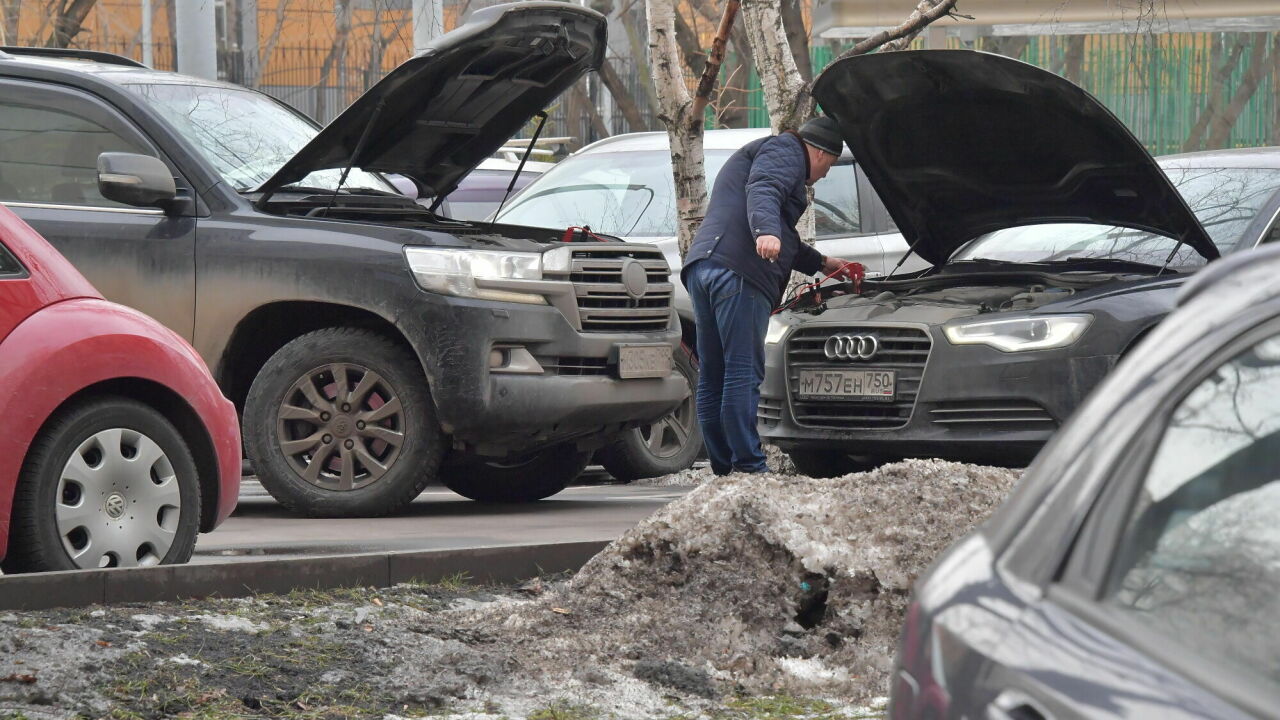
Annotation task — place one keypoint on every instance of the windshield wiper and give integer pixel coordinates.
(1109, 263)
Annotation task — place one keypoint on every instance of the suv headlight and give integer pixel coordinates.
(1020, 334)
(454, 271)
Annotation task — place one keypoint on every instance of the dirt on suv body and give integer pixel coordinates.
(372, 345)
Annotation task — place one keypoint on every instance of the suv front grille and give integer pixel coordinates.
(603, 302)
(571, 365)
(904, 350)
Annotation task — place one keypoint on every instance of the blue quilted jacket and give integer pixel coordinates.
(759, 191)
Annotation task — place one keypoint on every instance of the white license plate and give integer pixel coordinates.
(838, 384)
(644, 361)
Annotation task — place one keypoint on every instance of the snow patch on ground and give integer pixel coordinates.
(755, 585)
(231, 623)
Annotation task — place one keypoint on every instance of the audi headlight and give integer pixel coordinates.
(453, 271)
(777, 328)
(1020, 334)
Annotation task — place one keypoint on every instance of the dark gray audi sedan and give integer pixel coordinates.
(1056, 243)
(1135, 570)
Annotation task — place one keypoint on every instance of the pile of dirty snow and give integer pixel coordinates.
(760, 583)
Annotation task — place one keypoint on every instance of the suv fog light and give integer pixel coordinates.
(515, 360)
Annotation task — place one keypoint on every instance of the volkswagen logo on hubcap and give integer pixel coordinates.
(851, 347)
(115, 506)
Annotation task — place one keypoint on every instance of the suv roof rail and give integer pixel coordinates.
(94, 55)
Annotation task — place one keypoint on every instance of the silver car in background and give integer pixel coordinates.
(622, 186)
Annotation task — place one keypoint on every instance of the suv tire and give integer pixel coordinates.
(523, 479)
(340, 423)
(832, 463)
(89, 472)
(668, 445)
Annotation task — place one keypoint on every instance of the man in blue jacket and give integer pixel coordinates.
(736, 271)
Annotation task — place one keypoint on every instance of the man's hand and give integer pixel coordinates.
(768, 247)
(844, 269)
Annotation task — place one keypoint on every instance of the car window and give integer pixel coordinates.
(1200, 556)
(618, 193)
(1225, 200)
(835, 203)
(51, 156)
(245, 135)
(9, 265)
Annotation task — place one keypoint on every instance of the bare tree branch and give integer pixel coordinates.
(68, 22)
(797, 38)
(900, 37)
(282, 7)
(593, 114)
(1216, 92)
(626, 103)
(1220, 127)
(712, 69)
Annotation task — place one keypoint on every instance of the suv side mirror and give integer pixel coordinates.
(138, 180)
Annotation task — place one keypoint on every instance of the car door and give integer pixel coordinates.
(839, 227)
(1167, 605)
(50, 139)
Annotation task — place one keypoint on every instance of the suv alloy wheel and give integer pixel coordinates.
(339, 423)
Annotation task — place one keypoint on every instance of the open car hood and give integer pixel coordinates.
(442, 111)
(960, 143)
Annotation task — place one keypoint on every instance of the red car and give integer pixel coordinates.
(118, 446)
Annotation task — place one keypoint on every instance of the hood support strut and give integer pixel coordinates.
(542, 120)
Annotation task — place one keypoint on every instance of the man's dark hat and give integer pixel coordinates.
(822, 133)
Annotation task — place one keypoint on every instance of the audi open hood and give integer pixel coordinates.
(442, 111)
(960, 143)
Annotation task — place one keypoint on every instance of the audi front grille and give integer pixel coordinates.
(604, 304)
(904, 350)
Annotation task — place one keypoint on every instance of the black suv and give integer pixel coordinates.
(371, 344)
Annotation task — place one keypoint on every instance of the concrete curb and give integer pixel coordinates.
(496, 565)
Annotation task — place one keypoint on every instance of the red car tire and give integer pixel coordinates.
(109, 482)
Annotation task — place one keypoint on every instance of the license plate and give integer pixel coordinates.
(644, 361)
(839, 384)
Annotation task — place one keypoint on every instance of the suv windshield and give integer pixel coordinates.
(246, 135)
(630, 194)
(1225, 200)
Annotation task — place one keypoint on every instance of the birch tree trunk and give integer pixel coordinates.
(1222, 123)
(779, 77)
(684, 127)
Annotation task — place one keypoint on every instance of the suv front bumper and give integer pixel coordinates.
(573, 393)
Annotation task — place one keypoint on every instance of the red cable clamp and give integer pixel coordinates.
(580, 233)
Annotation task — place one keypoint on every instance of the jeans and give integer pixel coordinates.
(732, 318)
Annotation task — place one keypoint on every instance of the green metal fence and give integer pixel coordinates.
(1157, 84)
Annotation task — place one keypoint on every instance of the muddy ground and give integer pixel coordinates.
(775, 596)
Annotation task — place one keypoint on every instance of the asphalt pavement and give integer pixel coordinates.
(439, 519)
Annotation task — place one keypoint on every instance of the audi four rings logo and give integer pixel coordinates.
(851, 347)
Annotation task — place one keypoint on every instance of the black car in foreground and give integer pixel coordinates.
(366, 339)
(1134, 572)
(1057, 244)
